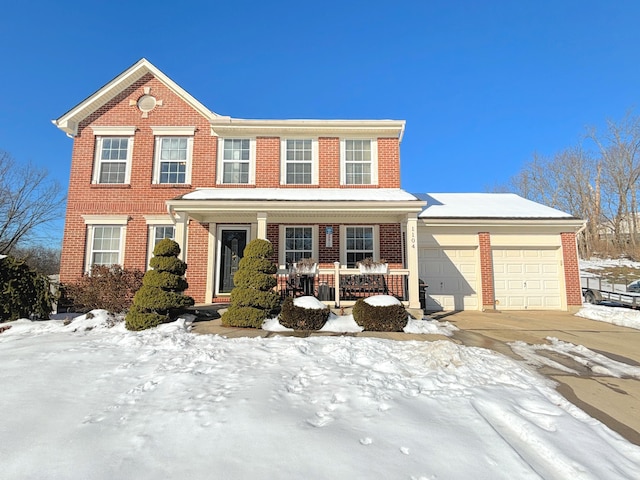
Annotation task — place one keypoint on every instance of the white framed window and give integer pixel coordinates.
(105, 239)
(173, 152)
(236, 160)
(299, 161)
(298, 241)
(359, 242)
(358, 162)
(113, 151)
(159, 227)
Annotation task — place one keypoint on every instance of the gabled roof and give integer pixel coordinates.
(69, 121)
(486, 206)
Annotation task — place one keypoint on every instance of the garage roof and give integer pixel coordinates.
(485, 205)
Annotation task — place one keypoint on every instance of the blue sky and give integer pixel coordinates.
(481, 84)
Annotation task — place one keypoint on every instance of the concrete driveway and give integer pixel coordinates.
(614, 401)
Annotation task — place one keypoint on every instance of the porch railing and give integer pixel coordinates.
(343, 286)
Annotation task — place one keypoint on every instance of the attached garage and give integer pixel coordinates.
(452, 277)
(527, 278)
(485, 251)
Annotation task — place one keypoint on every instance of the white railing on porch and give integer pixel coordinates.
(342, 286)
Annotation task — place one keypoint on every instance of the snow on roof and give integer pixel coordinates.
(485, 205)
(299, 194)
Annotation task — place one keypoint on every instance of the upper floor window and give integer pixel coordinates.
(173, 160)
(113, 154)
(298, 164)
(174, 146)
(236, 160)
(359, 162)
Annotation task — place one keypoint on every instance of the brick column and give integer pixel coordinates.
(486, 271)
(571, 269)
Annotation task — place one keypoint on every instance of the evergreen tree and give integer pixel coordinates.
(253, 298)
(23, 291)
(161, 293)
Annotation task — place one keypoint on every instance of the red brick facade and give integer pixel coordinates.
(571, 269)
(486, 270)
(142, 197)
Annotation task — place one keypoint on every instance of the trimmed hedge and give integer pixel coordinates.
(387, 318)
(161, 293)
(252, 298)
(300, 318)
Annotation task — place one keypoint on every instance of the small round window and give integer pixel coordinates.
(146, 103)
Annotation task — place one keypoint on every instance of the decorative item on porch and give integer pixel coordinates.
(306, 266)
(369, 266)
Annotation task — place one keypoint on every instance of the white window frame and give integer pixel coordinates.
(102, 133)
(282, 251)
(252, 161)
(314, 160)
(343, 241)
(374, 161)
(153, 222)
(92, 221)
(161, 133)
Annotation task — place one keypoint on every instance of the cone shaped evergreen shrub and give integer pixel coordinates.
(253, 299)
(161, 293)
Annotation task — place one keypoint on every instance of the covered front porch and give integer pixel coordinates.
(335, 228)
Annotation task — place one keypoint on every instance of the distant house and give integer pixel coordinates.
(149, 161)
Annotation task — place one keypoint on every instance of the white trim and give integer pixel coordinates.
(113, 131)
(97, 159)
(156, 159)
(178, 131)
(374, 160)
(89, 245)
(69, 121)
(315, 242)
(343, 241)
(315, 169)
(151, 236)
(252, 161)
(105, 219)
(159, 220)
(219, 229)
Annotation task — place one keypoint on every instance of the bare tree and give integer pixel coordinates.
(619, 148)
(28, 199)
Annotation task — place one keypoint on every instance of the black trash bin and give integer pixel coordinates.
(422, 293)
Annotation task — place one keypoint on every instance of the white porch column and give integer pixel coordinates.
(211, 262)
(262, 225)
(412, 260)
(181, 234)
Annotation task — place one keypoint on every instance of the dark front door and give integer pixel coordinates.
(232, 249)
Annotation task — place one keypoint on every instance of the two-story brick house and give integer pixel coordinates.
(149, 161)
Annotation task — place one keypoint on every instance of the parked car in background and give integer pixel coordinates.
(634, 287)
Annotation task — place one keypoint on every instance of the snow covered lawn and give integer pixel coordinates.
(105, 403)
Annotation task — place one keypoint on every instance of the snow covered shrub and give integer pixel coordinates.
(380, 316)
(23, 291)
(107, 288)
(307, 317)
(253, 298)
(161, 293)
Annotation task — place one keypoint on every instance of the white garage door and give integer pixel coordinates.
(451, 274)
(527, 279)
